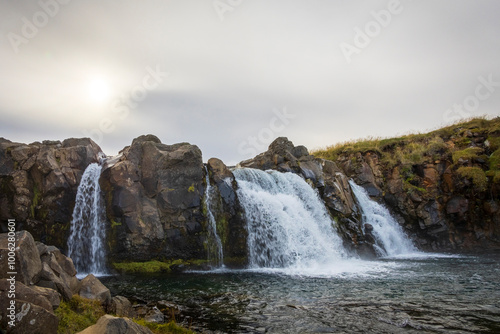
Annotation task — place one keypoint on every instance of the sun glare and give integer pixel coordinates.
(98, 90)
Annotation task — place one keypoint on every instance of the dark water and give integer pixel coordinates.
(435, 295)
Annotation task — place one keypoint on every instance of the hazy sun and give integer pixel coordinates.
(98, 90)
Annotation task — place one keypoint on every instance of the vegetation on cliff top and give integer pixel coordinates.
(455, 143)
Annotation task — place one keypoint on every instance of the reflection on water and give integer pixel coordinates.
(441, 295)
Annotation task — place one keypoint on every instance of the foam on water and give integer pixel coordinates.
(288, 224)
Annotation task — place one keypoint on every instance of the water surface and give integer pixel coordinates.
(398, 295)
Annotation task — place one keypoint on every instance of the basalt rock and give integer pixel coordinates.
(153, 195)
(38, 184)
(27, 264)
(227, 212)
(440, 208)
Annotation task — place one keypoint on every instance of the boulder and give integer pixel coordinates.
(121, 307)
(108, 324)
(52, 295)
(27, 264)
(54, 259)
(25, 293)
(154, 315)
(92, 288)
(49, 279)
(31, 311)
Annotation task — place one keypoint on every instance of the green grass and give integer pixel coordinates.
(411, 149)
(154, 266)
(78, 314)
(476, 175)
(169, 328)
(469, 153)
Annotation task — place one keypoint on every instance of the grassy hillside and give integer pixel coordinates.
(456, 143)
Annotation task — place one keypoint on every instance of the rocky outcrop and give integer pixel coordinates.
(38, 184)
(227, 212)
(443, 187)
(328, 179)
(155, 205)
(153, 198)
(39, 279)
(108, 324)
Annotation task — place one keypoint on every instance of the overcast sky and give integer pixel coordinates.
(230, 76)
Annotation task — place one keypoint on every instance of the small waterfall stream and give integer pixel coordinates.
(215, 253)
(389, 235)
(288, 224)
(87, 232)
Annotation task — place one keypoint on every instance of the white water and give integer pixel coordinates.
(213, 237)
(390, 238)
(288, 224)
(87, 233)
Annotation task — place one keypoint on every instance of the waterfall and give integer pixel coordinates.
(288, 224)
(87, 232)
(215, 254)
(389, 235)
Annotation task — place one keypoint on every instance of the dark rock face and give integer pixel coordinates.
(153, 195)
(440, 209)
(38, 184)
(328, 179)
(227, 212)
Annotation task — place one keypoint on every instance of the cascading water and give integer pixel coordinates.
(288, 224)
(215, 254)
(86, 240)
(389, 236)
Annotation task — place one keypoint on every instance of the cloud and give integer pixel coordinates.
(226, 77)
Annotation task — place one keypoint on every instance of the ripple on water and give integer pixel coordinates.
(433, 294)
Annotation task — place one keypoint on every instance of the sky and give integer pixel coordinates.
(232, 75)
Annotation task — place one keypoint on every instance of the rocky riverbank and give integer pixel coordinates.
(41, 294)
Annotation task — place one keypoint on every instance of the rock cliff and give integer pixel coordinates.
(38, 184)
(443, 186)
